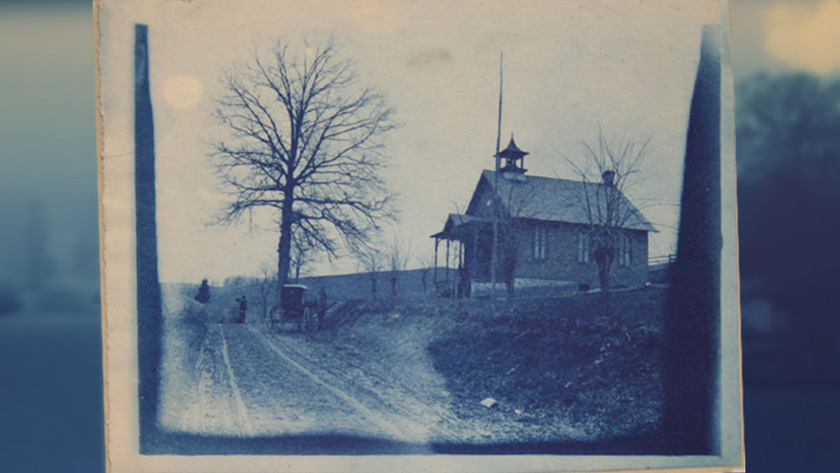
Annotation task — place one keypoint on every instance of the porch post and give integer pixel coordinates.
(447, 261)
(458, 282)
(474, 262)
(434, 271)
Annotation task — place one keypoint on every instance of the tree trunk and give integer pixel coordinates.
(603, 276)
(284, 246)
(510, 239)
(603, 258)
(373, 285)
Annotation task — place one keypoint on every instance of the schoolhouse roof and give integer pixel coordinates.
(555, 200)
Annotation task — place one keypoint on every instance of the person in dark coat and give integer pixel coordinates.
(243, 309)
(322, 298)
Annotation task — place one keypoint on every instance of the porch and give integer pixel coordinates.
(465, 246)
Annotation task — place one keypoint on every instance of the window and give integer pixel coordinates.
(540, 242)
(583, 248)
(624, 251)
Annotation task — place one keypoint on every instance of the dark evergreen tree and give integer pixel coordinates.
(203, 295)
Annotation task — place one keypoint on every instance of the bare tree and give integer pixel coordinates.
(307, 144)
(302, 254)
(427, 265)
(371, 261)
(399, 255)
(509, 215)
(267, 285)
(607, 169)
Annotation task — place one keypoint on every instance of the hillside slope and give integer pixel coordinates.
(577, 369)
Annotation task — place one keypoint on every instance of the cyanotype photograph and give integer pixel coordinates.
(426, 236)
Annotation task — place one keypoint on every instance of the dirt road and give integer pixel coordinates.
(250, 383)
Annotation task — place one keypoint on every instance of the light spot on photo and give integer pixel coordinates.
(183, 91)
(429, 57)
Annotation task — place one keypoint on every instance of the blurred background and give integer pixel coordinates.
(786, 59)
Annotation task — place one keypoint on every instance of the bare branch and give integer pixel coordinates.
(607, 169)
(306, 143)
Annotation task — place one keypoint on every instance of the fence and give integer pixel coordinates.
(662, 259)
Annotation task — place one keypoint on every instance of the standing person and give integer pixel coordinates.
(322, 298)
(243, 309)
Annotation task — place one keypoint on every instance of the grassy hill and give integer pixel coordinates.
(578, 368)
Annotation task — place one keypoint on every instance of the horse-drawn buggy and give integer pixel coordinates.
(295, 310)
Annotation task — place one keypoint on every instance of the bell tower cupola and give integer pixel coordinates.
(514, 158)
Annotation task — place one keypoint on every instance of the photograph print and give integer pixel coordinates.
(428, 236)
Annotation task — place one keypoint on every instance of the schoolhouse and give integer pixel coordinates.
(552, 233)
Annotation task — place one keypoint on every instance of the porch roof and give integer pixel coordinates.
(457, 224)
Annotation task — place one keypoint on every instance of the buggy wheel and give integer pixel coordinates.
(302, 322)
(279, 319)
(316, 320)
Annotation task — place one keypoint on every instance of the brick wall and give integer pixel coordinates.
(561, 257)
